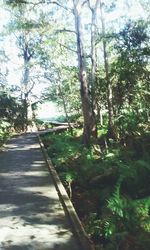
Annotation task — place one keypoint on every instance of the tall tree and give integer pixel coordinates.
(24, 29)
(111, 130)
(89, 121)
(27, 52)
(93, 56)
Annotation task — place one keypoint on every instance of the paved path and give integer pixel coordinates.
(31, 215)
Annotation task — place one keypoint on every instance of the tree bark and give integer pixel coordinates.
(93, 55)
(93, 49)
(28, 114)
(111, 129)
(89, 122)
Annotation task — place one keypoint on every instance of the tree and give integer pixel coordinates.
(27, 50)
(93, 56)
(111, 129)
(132, 59)
(64, 91)
(24, 29)
(101, 77)
(89, 121)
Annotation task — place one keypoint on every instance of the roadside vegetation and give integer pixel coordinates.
(3, 133)
(11, 115)
(109, 187)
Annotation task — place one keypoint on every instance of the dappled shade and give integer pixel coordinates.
(31, 215)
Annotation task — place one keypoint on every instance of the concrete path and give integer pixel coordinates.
(31, 215)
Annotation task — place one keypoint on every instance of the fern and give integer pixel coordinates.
(115, 203)
(127, 218)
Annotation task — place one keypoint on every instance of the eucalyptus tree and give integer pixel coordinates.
(111, 130)
(56, 57)
(93, 6)
(88, 115)
(24, 28)
(89, 121)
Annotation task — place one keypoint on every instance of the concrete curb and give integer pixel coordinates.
(67, 205)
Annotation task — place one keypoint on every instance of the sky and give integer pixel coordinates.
(9, 45)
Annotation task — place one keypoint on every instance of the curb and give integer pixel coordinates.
(76, 224)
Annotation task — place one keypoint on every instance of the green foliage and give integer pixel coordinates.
(67, 178)
(68, 154)
(65, 91)
(102, 130)
(94, 225)
(8, 105)
(11, 111)
(60, 147)
(118, 180)
(128, 219)
(42, 124)
(129, 72)
(4, 127)
(129, 122)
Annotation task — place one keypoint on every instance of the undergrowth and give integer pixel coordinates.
(110, 189)
(4, 132)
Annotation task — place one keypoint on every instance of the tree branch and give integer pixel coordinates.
(95, 7)
(30, 89)
(83, 3)
(65, 30)
(40, 2)
(59, 4)
(67, 47)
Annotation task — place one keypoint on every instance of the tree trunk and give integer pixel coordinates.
(93, 56)
(28, 114)
(89, 122)
(24, 94)
(111, 129)
(93, 49)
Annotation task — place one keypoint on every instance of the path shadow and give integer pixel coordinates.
(31, 215)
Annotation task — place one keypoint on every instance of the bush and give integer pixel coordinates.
(4, 131)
